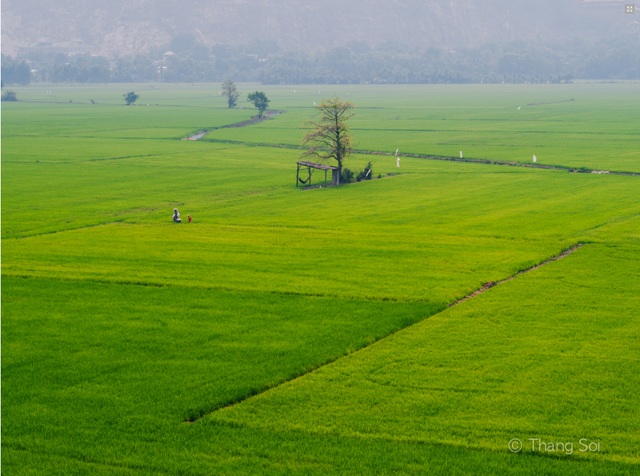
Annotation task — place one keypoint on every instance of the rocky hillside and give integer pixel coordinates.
(128, 27)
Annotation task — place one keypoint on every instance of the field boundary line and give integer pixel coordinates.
(200, 134)
(493, 284)
(151, 284)
(505, 163)
(203, 414)
(65, 230)
(502, 163)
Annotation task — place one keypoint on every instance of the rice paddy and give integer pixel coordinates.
(287, 330)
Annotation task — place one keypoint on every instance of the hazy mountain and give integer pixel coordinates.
(128, 27)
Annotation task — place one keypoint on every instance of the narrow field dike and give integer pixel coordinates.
(492, 284)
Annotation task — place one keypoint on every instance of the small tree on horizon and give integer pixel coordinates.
(230, 91)
(329, 138)
(259, 100)
(130, 98)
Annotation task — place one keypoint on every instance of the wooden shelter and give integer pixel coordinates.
(311, 166)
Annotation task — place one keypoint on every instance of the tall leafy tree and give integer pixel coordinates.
(260, 101)
(130, 98)
(329, 138)
(230, 91)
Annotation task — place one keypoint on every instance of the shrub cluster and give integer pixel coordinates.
(9, 96)
(349, 176)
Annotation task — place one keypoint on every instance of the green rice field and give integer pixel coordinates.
(321, 331)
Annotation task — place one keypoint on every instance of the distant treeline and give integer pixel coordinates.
(516, 63)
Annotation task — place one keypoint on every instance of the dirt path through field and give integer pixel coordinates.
(254, 120)
(492, 284)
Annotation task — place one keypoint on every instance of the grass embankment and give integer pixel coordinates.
(120, 328)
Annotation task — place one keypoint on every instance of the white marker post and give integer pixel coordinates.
(535, 159)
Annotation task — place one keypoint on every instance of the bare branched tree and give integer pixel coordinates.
(329, 138)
